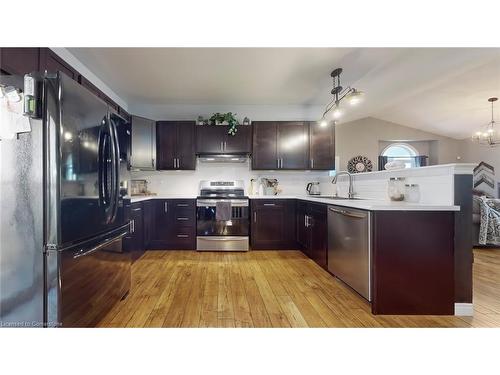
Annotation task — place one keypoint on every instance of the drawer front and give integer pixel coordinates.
(184, 213)
(270, 202)
(184, 238)
(182, 203)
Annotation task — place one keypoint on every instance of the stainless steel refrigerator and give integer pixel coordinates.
(64, 211)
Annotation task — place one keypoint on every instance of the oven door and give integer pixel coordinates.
(207, 225)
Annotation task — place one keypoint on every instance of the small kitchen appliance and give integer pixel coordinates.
(222, 216)
(313, 188)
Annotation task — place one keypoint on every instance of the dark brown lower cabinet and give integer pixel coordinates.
(312, 231)
(134, 242)
(273, 224)
(173, 224)
(147, 212)
(413, 263)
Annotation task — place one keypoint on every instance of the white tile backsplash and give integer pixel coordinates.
(187, 182)
(436, 183)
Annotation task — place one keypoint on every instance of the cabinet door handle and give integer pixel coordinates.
(182, 235)
(174, 163)
(255, 217)
(222, 146)
(136, 209)
(182, 204)
(312, 163)
(132, 226)
(278, 161)
(166, 206)
(153, 162)
(269, 204)
(306, 224)
(182, 218)
(225, 145)
(281, 163)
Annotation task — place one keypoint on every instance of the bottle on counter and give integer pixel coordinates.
(396, 189)
(412, 193)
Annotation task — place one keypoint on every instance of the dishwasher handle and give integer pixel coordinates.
(347, 213)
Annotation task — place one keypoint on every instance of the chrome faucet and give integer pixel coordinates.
(350, 195)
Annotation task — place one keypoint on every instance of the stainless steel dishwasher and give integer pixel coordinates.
(349, 247)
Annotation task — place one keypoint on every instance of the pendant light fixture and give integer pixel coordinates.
(488, 135)
(350, 94)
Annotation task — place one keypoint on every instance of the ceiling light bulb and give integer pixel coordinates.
(323, 123)
(490, 130)
(354, 97)
(337, 113)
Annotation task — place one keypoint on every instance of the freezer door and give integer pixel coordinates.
(82, 165)
(85, 281)
(21, 229)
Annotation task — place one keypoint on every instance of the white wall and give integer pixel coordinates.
(83, 70)
(364, 137)
(254, 112)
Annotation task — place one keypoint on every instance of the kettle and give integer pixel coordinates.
(313, 188)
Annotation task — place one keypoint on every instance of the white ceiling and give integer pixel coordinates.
(441, 90)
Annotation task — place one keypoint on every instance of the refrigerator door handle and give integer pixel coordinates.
(116, 169)
(104, 196)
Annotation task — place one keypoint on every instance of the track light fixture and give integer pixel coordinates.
(352, 96)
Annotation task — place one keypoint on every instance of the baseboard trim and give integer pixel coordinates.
(464, 309)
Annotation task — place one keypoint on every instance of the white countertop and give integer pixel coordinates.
(363, 204)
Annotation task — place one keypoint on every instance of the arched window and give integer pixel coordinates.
(400, 151)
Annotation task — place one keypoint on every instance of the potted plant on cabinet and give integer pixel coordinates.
(225, 119)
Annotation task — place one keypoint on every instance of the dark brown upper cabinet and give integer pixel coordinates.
(19, 61)
(265, 145)
(216, 140)
(321, 146)
(241, 142)
(51, 62)
(280, 145)
(293, 142)
(210, 139)
(175, 145)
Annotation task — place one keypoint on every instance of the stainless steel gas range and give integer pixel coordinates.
(222, 216)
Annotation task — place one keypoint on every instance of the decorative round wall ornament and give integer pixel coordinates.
(359, 164)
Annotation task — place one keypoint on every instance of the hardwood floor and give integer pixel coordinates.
(272, 289)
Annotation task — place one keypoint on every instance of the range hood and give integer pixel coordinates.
(222, 158)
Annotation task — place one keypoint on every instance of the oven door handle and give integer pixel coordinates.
(212, 203)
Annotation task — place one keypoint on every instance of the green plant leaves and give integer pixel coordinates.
(228, 117)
